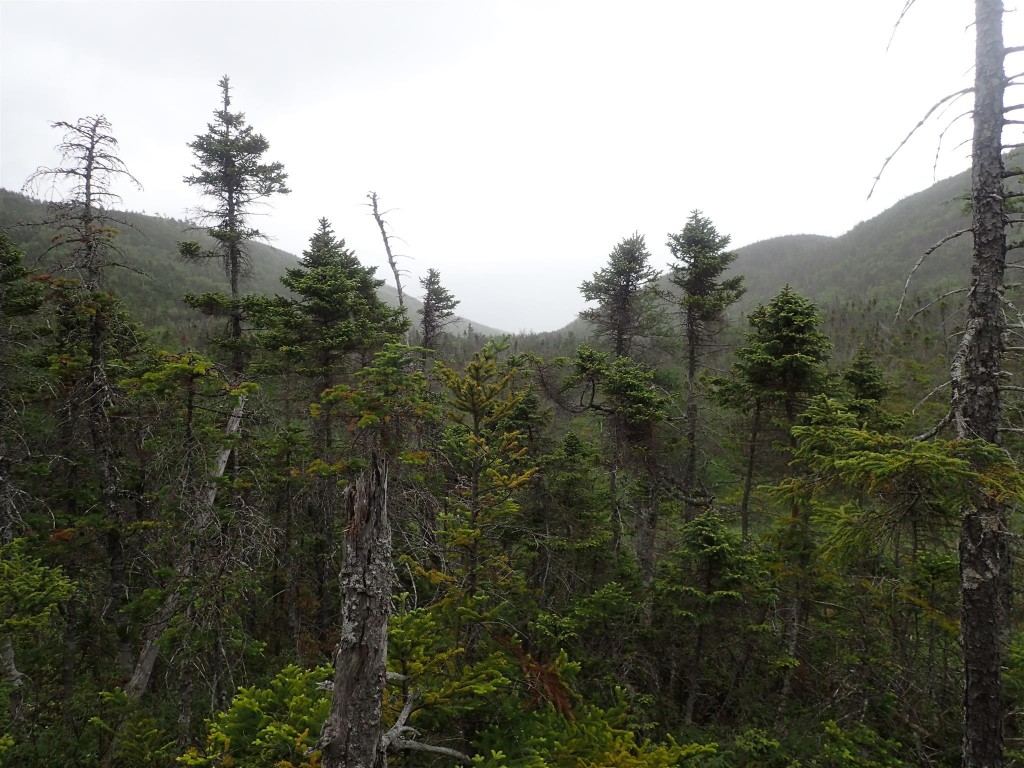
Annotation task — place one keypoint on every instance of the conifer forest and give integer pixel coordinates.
(261, 513)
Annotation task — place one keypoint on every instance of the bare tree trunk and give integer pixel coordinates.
(104, 443)
(352, 736)
(975, 372)
(748, 480)
(692, 368)
(184, 567)
(378, 217)
(792, 631)
(693, 676)
(15, 679)
(645, 537)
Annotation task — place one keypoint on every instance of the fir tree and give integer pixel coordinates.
(438, 310)
(700, 261)
(231, 172)
(779, 367)
(626, 293)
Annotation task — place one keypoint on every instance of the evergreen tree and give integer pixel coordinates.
(335, 322)
(626, 293)
(438, 310)
(18, 299)
(701, 260)
(333, 325)
(867, 387)
(230, 171)
(623, 393)
(779, 367)
(92, 329)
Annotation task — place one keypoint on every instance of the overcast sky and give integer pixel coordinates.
(516, 142)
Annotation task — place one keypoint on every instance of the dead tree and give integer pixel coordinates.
(976, 409)
(976, 384)
(84, 245)
(201, 498)
(381, 224)
(351, 736)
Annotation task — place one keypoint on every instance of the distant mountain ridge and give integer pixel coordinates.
(157, 278)
(870, 263)
(873, 260)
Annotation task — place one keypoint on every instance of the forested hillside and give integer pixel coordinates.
(280, 521)
(873, 260)
(156, 279)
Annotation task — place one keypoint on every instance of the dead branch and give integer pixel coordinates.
(938, 144)
(906, 8)
(935, 301)
(379, 218)
(454, 754)
(920, 261)
(928, 397)
(914, 130)
(942, 423)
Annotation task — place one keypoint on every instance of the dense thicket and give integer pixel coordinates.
(681, 541)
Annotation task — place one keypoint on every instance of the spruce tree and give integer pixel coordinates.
(336, 319)
(779, 367)
(230, 172)
(331, 327)
(438, 310)
(701, 259)
(626, 293)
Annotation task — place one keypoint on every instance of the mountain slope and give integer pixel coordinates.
(872, 261)
(156, 277)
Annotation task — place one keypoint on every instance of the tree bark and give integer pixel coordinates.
(645, 537)
(975, 374)
(351, 736)
(693, 343)
(748, 481)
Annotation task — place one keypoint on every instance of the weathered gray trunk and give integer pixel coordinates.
(645, 537)
(351, 736)
(975, 374)
(15, 681)
(693, 342)
(748, 480)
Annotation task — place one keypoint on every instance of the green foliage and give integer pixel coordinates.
(230, 171)
(18, 296)
(30, 592)
(701, 260)
(438, 309)
(911, 481)
(335, 311)
(867, 387)
(621, 388)
(857, 747)
(276, 725)
(593, 738)
(628, 310)
(782, 362)
(710, 569)
(526, 632)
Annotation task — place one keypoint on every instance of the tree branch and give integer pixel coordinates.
(920, 261)
(454, 754)
(914, 130)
